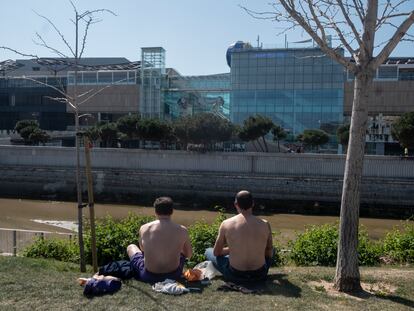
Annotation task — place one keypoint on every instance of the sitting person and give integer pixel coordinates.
(163, 246)
(243, 250)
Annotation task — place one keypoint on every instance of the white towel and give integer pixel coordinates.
(170, 287)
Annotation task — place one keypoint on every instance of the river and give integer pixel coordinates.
(32, 215)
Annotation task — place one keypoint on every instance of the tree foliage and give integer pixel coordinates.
(342, 133)
(31, 133)
(128, 125)
(204, 128)
(254, 128)
(278, 133)
(403, 130)
(153, 129)
(313, 138)
(108, 133)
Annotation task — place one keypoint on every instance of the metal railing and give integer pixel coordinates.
(14, 241)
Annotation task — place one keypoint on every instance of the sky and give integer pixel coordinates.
(195, 33)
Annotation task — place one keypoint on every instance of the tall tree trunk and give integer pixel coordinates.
(347, 277)
(278, 145)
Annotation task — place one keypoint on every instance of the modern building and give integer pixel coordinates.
(188, 95)
(31, 89)
(108, 88)
(298, 88)
(393, 95)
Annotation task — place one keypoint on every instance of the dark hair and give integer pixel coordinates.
(163, 206)
(244, 200)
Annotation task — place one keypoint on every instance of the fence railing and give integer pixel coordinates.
(14, 241)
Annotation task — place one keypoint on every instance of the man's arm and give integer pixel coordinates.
(187, 249)
(269, 244)
(140, 232)
(219, 246)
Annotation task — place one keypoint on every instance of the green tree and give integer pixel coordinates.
(403, 130)
(203, 128)
(31, 133)
(180, 129)
(254, 128)
(128, 128)
(208, 129)
(153, 130)
(108, 133)
(313, 138)
(278, 133)
(342, 133)
(128, 125)
(38, 136)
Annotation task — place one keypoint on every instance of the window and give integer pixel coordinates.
(387, 72)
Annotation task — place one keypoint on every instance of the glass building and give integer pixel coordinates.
(297, 88)
(26, 99)
(188, 95)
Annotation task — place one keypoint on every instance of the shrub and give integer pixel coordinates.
(399, 244)
(113, 237)
(369, 252)
(318, 246)
(63, 250)
(202, 236)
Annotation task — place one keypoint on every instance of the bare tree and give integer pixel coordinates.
(82, 21)
(354, 23)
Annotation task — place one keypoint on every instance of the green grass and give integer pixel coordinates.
(36, 284)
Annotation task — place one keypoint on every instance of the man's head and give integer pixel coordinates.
(244, 200)
(163, 206)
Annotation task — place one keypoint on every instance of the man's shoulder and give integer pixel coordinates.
(148, 224)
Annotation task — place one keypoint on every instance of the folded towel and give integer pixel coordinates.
(170, 287)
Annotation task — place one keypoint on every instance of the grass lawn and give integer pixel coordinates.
(34, 284)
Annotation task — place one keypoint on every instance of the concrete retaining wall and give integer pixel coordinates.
(129, 175)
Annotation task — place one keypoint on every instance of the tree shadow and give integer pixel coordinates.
(396, 299)
(275, 284)
(159, 304)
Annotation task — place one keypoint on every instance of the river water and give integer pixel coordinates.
(41, 215)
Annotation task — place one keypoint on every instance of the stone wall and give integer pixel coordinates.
(125, 176)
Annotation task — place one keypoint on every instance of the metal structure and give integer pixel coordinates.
(152, 72)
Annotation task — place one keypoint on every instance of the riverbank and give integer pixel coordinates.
(21, 214)
(52, 286)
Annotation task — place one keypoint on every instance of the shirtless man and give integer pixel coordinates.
(243, 250)
(165, 245)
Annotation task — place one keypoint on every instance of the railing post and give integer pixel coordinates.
(14, 243)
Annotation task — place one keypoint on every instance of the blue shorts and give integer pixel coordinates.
(222, 264)
(142, 274)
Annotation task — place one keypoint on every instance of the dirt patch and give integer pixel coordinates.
(369, 289)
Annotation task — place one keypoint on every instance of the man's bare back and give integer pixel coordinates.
(247, 238)
(163, 242)
(164, 245)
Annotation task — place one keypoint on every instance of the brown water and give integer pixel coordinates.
(19, 214)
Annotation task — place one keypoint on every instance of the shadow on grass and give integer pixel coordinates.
(396, 299)
(276, 284)
(159, 304)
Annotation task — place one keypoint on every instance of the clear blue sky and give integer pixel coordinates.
(195, 33)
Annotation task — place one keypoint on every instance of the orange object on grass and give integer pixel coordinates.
(193, 275)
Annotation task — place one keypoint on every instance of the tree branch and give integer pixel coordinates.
(290, 9)
(58, 32)
(393, 42)
(43, 44)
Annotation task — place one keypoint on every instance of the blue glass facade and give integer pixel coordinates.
(188, 95)
(298, 88)
(25, 99)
